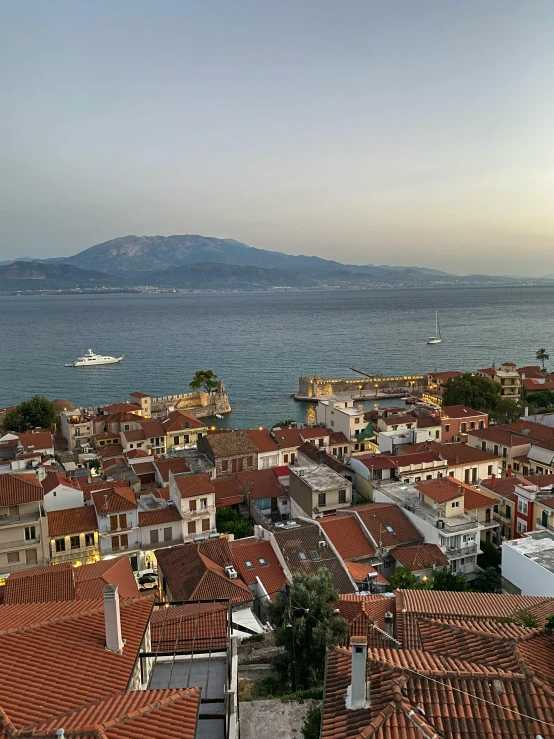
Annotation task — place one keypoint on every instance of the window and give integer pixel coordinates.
(342, 496)
(466, 475)
(315, 554)
(429, 477)
(168, 533)
(224, 465)
(200, 435)
(451, 474)
(89, 540)
(192, 505)
(13, 558)
(508, 512)
(192, 527)
(322, 499)
(31, 557)
(464, 427)
(249, 461)
(30, 533)
(75, 542)
(456, 504)
(154, 538)
(521, 527)
(495, 448)
(481, 424)
(292, 458)
(176, 440)
(186, 439)
(489, 470)
(262, 561)
(203, 503)
(447, 427)
(437, 434)
(124, 541)
(249, 565)
(483, 446)
(389, 528)
(285, 458)
(206, 524)
(60, 545)
(302, 555)
(472, 425)
(126, 427)
(123, 521)
(522, 506)
(334, 451)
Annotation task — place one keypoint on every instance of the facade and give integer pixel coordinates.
(459, 420)
(160, 524)
(194, 498)
(182, 429)
(528, 564)
(436, 384)
(316, 490)
(77, 428)
(23, 524)
(268, 450)
(341, 416)
(502, 443)
(118, 526)
(421, 465)
(507, 376)
(229, 451)
(73, 535)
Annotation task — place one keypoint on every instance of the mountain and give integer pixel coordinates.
(215, 276)
(43, 276)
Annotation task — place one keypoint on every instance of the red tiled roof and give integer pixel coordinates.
(460, 411)
(337, 438)
(110, 450)
(90, 579)
(377, 516)
(505, 486)
(137, 394)
(190, 627)
(18, 488)
(473, 500)
(136, 454)
(530, 429)
(134, 435)
(253, 550)
(498, 435)
(263, 440)
(41, 439)
(347, 536)
(420, 556)
(443, 489)
(165, 466)
(191, 485)
(180, 421)
(72, 521)
(259, 484)
(459, 453)
(390, 461)
(444, 376)
(227, 491)
(53, 479)
(361, 572)
(143, 468)
(399, 420)
(98, 484)
(114, 500)
(282, 471)
(361, 610)
(159, 516)
(152, 428)
(72, 635)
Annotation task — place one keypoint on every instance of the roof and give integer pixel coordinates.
(530, 429)
(473, 500)
(399, 420)
(196, 571)
(152, 428)
(420, 557)
(499, 435)
(259, 484)
(190, 627)
(72, 521)
(459, 453)
(441, 490)
(231, 444)
(114, 500)
(506, 486)
(347, 536)
(379, 518)
(40, 439)
(320, 456)
(460, 411)
(191, 485)
(134, 435)
(63, 582)
(137, 454)
(121, 408)
(110, 450)
(17, 488)
(390, 461)
(228, 491)
(338, 438)
(361, 610)
(139, 395)
(255, 559)
(361, 572)
(301, 550)
(282, 470)
(159, 516)
(289, 438)
(72, 635)
(54, 479)
(180, 421)
(445, 376)
(426, 422)
(263, 440)
(177, 465)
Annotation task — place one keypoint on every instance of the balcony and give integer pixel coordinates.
(455, 552)
(544, 527)
(199, 512)
(26, 518)
(74, 554)
(109, 531)
(496, 516)
(19, 543)
(131, 547)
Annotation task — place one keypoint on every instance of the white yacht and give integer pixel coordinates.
(90, 359)
(436, 339)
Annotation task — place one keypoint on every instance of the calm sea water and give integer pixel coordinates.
(259, 342)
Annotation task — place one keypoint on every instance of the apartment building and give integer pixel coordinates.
(118, 526)
(77, 428)
(317, 490)
(507, 376)
(342, 416)
(194, 498)
(182, 429)
(459, 420)
(73, 534)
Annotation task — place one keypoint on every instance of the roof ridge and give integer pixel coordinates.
(177, 694)
(463, 629)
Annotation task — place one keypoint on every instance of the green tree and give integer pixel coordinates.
(474, 391)
(487, 581)
(284, 424)
(305, 624)
(542, 356)
(491, 555)
(446, 580)
(506, 411)
(541, 398)
(204, 379)
(33, 413)
(527, 619)
(404, 579)
(228, 521)
(312, 724)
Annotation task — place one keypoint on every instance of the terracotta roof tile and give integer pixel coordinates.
(263, 440)
(54, 479)
(347, 536)
(378, 516)
(41, 439)
(178, 466)
(190, 627)
(259, 484)
(254, 551)
(159, 516)
(231, 444)
(180, 421)
(361, 572)
(19, 488)
(460, 411)
(72, 521)
(191, 485)
(420, 557)
(114, 500)
(228, 491)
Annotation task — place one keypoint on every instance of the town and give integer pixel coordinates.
(385, 572)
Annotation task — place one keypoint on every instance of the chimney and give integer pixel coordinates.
(509, 471)
(493, 481)
(114, 641)
(357, 695)
(389, 624)
(526, 411)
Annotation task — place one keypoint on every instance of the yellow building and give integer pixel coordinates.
(182, 429)
(73, 535)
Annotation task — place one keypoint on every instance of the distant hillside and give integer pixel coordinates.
(43, 276)
(214, 276)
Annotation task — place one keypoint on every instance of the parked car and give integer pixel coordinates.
(147, 582)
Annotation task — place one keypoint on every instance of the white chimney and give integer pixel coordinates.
(357, 695)
(112, 619)
(526, 410)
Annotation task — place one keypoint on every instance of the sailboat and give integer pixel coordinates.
(436, 339)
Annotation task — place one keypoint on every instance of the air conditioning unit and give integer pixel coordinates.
(231, 572)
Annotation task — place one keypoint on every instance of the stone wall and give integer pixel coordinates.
(314, 386)
(199, 404)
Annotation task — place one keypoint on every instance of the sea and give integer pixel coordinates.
(259, 342)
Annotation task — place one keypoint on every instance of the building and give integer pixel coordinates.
(177, 465)
(182, 429)
(73, 535)
(259, 567)
(463, 461)
(229, 451)
(160, 524)
(410, 467)
(77, 428)
(266, 498)
(341, 416)
(194, 497)
(528, 564)
(436, 384)
(502, 443)
(118, 526)
(23, 525)
(291, 439)
(459, 420)
(268, 449)
(309, 452)
(145, 402)
(316, 490)
(507, 376)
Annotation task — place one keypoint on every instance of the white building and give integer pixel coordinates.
(340, 415)
(528, 564)
(118, 525)
(194, 498)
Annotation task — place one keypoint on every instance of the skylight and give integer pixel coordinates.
(315, 554)
(302, 555)
(262, 561)
(249, 564)
(389, 528)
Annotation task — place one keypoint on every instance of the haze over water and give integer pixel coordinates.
(259, 342)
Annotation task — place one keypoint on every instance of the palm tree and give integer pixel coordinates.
(542, 356)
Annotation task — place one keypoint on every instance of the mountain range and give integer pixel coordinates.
(199, 262)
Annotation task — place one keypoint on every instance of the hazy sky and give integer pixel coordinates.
(401, 132)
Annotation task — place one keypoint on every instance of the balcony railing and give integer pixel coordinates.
(108, 530)
(197, 512)
(544, 526)
(496, 516)
(74, 554)
(26, 518)
(122, 548)
(19, 543)
(461, 551)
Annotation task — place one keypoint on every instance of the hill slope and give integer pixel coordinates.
(43, 276)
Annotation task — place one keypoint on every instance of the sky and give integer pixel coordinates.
(398, 132)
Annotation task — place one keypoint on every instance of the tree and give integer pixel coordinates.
(491, 555)
(487, 581)
(284, 424)
(312, 724)
(474, 391)
(204, 379)
(506, 411)
(228, 521)
(404, 579)
(446, 580)
(541, 398)
(33, 413)
(305, 624)
(542, 356)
